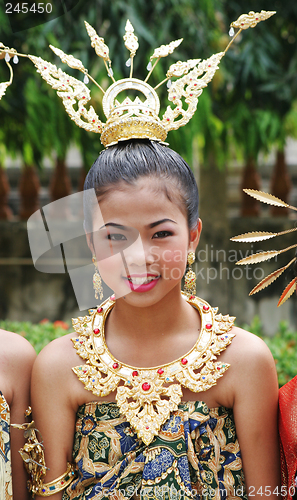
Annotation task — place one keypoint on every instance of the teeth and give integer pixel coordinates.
(142, 281)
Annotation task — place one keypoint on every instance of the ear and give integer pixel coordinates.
(195, 236)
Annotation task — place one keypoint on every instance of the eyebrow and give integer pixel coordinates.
(113, 224)
(125, 228)
(154, 224)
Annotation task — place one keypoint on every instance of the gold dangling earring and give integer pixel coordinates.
(190, 277)
(97, 281)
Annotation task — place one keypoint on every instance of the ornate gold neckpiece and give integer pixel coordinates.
(146, 396)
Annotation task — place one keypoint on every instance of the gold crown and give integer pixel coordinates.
(138, 118)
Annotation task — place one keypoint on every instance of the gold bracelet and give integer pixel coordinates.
(59, 484)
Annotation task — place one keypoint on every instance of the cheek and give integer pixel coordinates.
(110, 268)
(177, 256)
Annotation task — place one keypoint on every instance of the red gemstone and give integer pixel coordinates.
(218, 367)
(84, 371)
(146, 386)
(100, 309)
(135, 373)
(81, 342)
(147, 427)
(112, 297)
(184, 361)
(205, 308)
(96, 331)
(208, 326)
(192, 297)
(115, 366)
(160, 371)
(62, 482)
(191, 96)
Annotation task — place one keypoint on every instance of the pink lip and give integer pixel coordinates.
(146, 275)
(145, 287)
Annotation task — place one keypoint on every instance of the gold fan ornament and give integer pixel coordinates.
(263, 256)
(138, 118)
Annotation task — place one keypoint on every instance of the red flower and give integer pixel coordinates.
(45, 320)
(61, 324)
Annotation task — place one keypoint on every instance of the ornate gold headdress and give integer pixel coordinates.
(270, 254)
(139, 118)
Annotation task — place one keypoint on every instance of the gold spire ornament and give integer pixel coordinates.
(190, 277)
(138, 118)
(146, 396)
(263, 256)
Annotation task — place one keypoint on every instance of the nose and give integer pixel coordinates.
(138, 255)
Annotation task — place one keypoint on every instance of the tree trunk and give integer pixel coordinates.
(60, 189)
(280, 184)
(82, 178)
(250, 180)
(29, 190)
(5, 211)
(60, 183)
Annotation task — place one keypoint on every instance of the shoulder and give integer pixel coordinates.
(52, 376)
(249, 349)
(16, 351)
(53, 364)
(251, 372)
(57, 355)
(252, 365)
(16, 361)
(16, 344)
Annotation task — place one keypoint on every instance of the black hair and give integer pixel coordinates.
(129, 160)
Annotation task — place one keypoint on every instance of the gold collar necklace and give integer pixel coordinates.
(146, 396)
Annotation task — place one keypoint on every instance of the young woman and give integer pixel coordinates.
(156, 395)
(16, 360)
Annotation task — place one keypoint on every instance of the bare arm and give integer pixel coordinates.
(17, 358)
(255, 412)
(52, 404)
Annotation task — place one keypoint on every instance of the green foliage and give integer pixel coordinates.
(283, 346)
(38, 335)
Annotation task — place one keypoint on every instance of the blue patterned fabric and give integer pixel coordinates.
(5, 458)
(196, 455)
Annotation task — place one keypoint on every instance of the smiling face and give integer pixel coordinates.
(142, 247)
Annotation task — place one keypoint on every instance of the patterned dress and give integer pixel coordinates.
(5, 459)
(193, 453)
(196, 455)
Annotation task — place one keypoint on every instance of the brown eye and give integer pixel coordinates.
(162, 234)
(116, 237)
